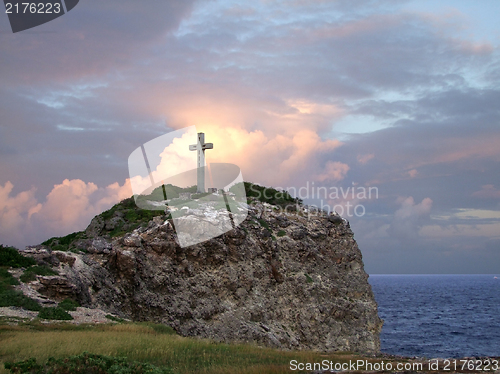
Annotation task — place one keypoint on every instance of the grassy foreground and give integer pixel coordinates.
(147, 343)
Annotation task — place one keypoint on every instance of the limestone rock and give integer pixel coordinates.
(304, 289)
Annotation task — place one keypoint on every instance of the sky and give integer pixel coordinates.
(398, 96)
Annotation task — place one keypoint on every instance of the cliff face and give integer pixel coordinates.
(289, 281)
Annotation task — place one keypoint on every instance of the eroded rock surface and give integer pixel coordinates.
(285, 280)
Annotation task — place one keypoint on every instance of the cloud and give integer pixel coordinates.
(68, 207)
(334, 171)
(363, 159)
(409, 218)
(487, 192)
(14, 210)
(96, 38)
(412, 173)
(272, 84)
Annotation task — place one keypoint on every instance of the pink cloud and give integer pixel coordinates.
(334, 171)
(487, 192)
(363, 159)
(412, 173)
(67, 208)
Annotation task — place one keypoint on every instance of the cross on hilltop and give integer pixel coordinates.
(200, 147)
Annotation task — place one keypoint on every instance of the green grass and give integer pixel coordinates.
(10, 256)
(54, 313)
(145, 343)
(30, 273)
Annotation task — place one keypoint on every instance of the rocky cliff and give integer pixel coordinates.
(291, 280)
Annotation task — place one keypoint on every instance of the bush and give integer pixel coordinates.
(54, 313)
(68, 304)
(264, 223)
(6, 278)
(10, 256)
(12, 297)
(63, 243)
(30, 274)
(86, 363)
(27, 366)
(281, 233)
(268, 194)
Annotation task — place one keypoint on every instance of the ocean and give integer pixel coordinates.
(447, 316)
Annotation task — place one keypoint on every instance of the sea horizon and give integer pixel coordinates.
(427, 315)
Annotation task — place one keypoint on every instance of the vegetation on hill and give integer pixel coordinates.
(166, 192)
(10, 256)
(64, 243)
(128, 216)
(30, 273)
(267, 194)
(57, 313)
(68, 304)
(11, 297)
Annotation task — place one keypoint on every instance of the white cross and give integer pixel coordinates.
(200, 147)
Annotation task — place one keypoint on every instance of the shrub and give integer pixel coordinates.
(54, 313)
(267, 194)
(27, 366)
(7, 278)
(10, 256)
(68, 304)
(264, 223)
(86, 363)
(30, 274)
(64, 243)
(281, 233)
(11, 297)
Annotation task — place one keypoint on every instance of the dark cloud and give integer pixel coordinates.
(80, 93)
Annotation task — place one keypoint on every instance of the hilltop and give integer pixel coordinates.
(287, 277)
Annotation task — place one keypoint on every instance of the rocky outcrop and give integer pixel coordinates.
(290, 280)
